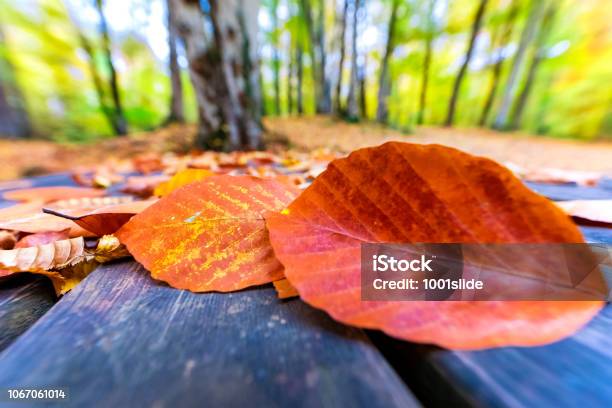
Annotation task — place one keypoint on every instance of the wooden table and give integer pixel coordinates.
(122, 339)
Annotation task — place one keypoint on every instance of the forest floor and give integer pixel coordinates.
(26, 158)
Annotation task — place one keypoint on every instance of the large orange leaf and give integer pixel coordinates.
(401, 192)
(210, 235)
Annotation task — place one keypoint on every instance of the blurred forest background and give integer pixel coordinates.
(82, 70)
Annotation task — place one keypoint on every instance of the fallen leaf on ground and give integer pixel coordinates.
(180, 179)
(65, 262)
(401, 192)
(147, 163)
(143, 186)
(284, 289)
(210, 235)
(105, 220)
(40, 222)
(20, 210)
(559, 176)
(41, 238)
(8, 239)
(598, 212)
(88, 202)
(49, 194)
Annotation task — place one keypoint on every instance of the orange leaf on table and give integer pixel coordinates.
(595, 212)
(104, 220)
(65, 262)
(143, 186)
(180, 179)
(210, 235)
(284, 289)
(41, 238)
(400, 192)
(49, 194)
(38, 221)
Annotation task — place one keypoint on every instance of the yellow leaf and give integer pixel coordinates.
(180, 179)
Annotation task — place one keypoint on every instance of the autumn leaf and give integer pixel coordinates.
(104, 220)
(38, 221)
(180, 179)
(592, 212)
(143, 186)
(49, 194)
(65, 262)
(210, 235)
(401, 192)
(284, 289)
(88, 202)
(41, 238)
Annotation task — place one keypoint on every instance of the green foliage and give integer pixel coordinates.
(570, 96)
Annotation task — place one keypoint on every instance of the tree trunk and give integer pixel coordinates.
(499, 60)
(14, 121)
(316, 32)
(290, 70)
(276, 58)
(352, 110)
(363, 108)
(176, 100)
(300, 79)
(526, 37)
(342, 43)
(466, 61)
(384, 81)
(107, 111)
(119, 122)
(429, 36)
(223, 69)
(538, 55)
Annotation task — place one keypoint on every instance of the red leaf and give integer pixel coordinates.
(210, 235)
(104, 220)
(401, 192)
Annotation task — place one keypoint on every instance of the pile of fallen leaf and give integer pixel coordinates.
(227, 221)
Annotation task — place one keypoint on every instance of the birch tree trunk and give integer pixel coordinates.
(342, 43)
(176, 100)
(384, 81)
(352, 110)
(466, 62)
(119, 122)
(221, 49)
(526, 37)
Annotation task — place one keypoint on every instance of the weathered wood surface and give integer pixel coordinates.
(121, 339)
(564, 192)
(573, 372)
(24, 298)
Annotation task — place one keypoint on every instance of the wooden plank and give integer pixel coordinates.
(564, 192)
(24, 298)
(573, 372)
(120, 339)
